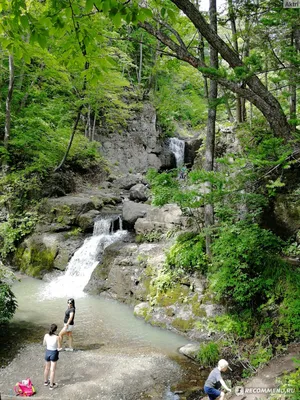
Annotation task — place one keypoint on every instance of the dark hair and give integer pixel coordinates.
(53, 329)
(72, 302)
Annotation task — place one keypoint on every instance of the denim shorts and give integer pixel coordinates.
(212, 392)
(51, 355)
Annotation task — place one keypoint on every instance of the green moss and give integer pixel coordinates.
(183, 325)
(169, 312)
(173, 295)
(62, 215)
(159, 324)
(146, 283)
(143, 312)
(35, 261)
(196, 307)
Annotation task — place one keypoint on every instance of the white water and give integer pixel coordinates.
(177, 147)
(83, 262)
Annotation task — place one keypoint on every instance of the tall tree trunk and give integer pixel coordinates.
(292, 82)
(211, 127)
(8, 110)
(239, 101)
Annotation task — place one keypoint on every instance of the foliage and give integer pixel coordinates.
(148, 237)
(289, 384)
(246, 265)
(261, 355)
(289, 321)
(237, 326)
(179, 97)
(8, 303)
(12, 231)
(188, 253)
(163, 187)
(208, 354)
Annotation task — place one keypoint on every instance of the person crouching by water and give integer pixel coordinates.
(215, 381)
(51, 356)
(68, 326)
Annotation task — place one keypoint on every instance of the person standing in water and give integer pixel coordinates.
(214, 382)
(68, 326)
(51, 356)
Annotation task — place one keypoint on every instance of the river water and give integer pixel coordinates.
(99, 321)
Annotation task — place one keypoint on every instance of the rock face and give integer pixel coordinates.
(65, 222)
(139, 147)
(190, 150)
(127, 273)
(161, 220)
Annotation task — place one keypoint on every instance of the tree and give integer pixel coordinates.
(238, 75)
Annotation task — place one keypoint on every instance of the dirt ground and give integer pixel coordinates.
(111, 373)
(105, 373)
(266, 377)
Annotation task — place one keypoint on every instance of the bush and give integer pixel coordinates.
(246, 265)
(290, 384)
(188, 253)
(209, 354)
(8, 303)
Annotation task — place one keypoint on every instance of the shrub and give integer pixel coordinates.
(246, 265)
(209, 354)
(8, 303)
(188, 253)
(290, 384)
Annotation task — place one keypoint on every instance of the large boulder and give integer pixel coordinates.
(139, 192)
(123, 272)
(65, 210)
(44, 251)
(161, 220)
(132, 211)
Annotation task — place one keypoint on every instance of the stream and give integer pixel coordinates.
(99, 321)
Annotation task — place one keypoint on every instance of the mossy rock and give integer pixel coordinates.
(196, 307)
(183, 325)
(177, 294)
(35, 260)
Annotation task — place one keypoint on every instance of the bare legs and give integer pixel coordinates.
(62, 333)
(222, 395)
(50, 366)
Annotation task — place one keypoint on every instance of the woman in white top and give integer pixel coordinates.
(51, 356)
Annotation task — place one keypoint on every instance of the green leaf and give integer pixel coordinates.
(24, 21)
(89, 5)
(117, 20)
(42, 41)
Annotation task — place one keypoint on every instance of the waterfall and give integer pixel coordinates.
(85, 260)
(177, 148)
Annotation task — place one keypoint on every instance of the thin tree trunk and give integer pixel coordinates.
(8, 109)
(140, 61)
(71, 140)
(211, 128)
(94, 127)
(86, 67)
(231, 13)
(292, 83)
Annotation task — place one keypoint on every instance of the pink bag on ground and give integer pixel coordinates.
(24, 388)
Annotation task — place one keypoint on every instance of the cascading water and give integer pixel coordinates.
(177, 148)
(84, 261)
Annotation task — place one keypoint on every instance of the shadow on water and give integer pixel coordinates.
(16, 335)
